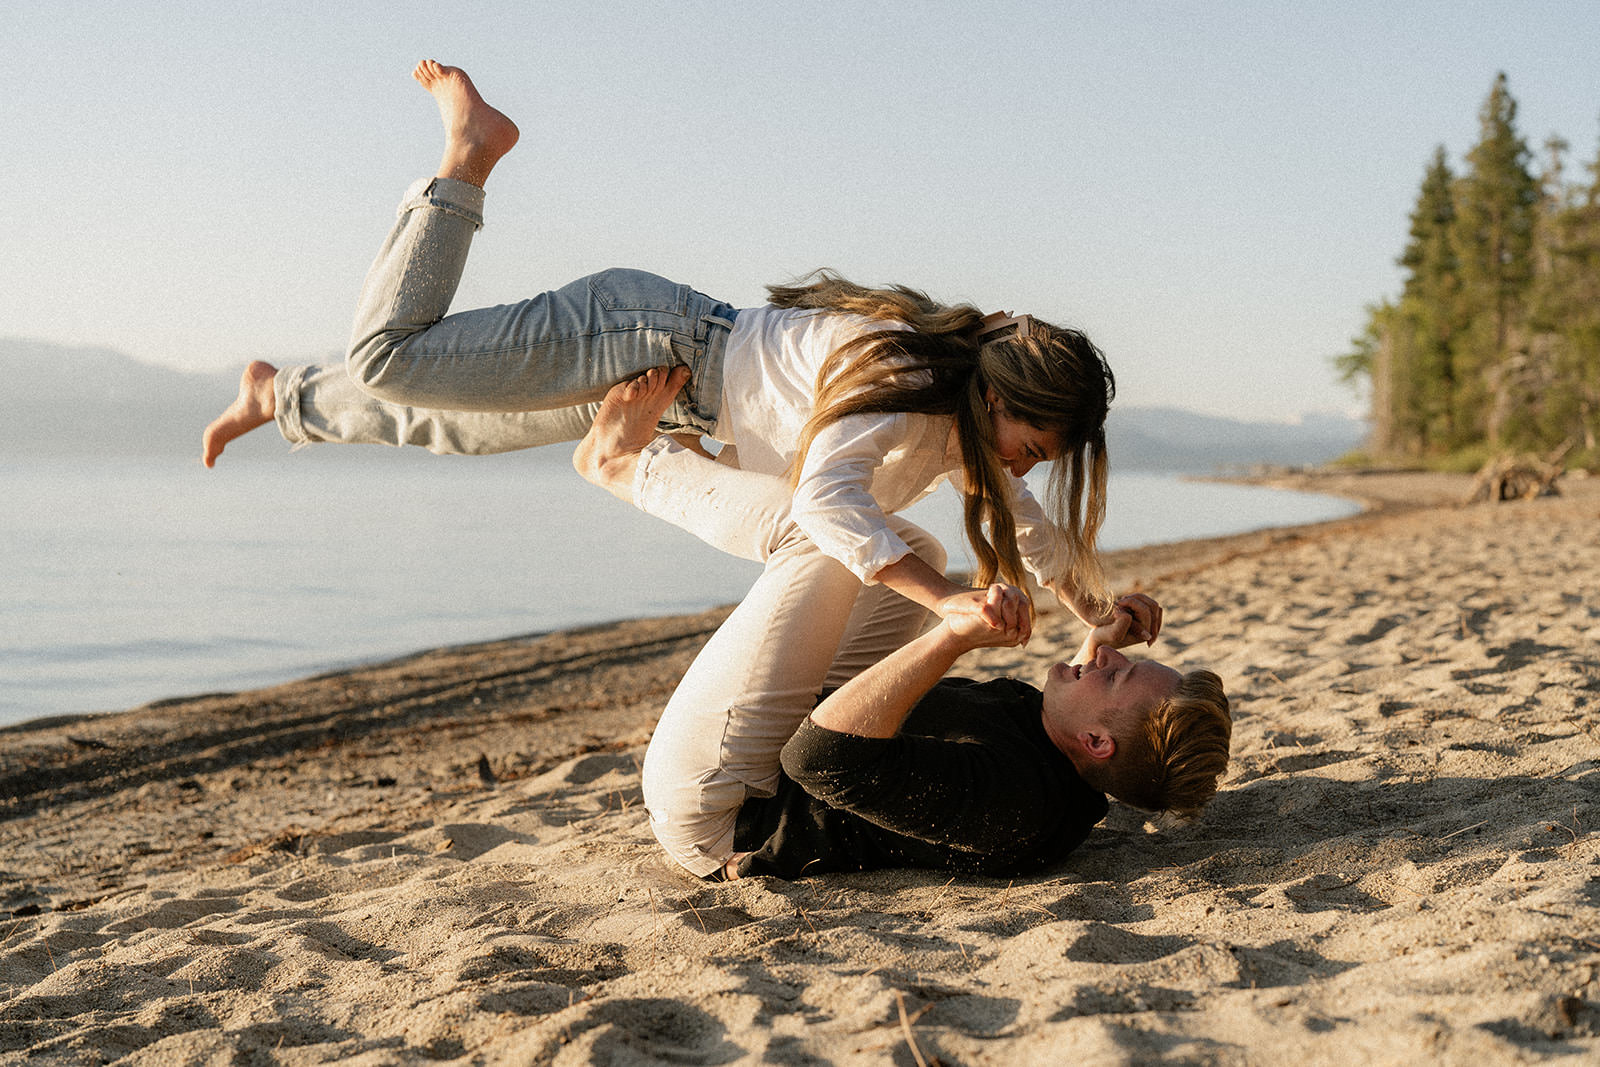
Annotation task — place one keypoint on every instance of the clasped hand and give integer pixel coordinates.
(998, 616)
(1135, 618)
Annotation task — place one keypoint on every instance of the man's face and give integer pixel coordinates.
(1106, 692)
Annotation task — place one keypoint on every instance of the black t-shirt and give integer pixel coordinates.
(971, 783)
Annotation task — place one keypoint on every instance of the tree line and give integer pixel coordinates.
(1493, 345)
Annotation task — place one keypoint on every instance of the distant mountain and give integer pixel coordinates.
(90, 400)
(1170, 439)
(56, 400)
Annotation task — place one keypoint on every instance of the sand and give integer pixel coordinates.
(443, 858)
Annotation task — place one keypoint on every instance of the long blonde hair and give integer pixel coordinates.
(1053, 379)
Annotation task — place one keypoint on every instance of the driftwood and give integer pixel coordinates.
(1511, 477)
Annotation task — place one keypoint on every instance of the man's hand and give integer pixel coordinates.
(1005, 603)
(1003, 610)
(876, 702)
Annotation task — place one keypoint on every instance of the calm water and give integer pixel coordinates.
(128, 580)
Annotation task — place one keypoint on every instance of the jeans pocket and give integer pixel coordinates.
(622, 289)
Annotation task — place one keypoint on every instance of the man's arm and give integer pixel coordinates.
(975, 786)
(876, 702)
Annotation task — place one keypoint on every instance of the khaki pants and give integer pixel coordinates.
(806, 624)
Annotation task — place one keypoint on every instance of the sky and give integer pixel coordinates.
(1213, 191)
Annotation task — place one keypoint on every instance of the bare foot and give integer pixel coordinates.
(475, 134)
(254, 406)
(608, 455)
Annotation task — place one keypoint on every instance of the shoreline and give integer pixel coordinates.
(442, 856)
(36, 761)
(283, 674)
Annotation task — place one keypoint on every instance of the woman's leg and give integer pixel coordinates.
(322, 405)
(558, 352)
(254, 406)
(560, 349)
(476, 136)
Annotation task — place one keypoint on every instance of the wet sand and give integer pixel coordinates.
(444, 857)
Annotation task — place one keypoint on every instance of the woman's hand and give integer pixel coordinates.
(1134, 618)
(1004, 611)
(1144, 615)
(1118, 633)
(972, 630)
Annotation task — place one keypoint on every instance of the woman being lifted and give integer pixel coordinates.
(836, 406)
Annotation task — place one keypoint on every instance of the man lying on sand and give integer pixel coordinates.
(900, 767)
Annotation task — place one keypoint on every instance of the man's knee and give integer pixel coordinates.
(925, 545)
(694, 822)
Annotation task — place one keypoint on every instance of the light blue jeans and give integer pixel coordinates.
(530, 373)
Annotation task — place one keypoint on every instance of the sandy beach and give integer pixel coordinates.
(443, 858)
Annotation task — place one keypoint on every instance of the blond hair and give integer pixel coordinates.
(1053, 379)
(1170, 761)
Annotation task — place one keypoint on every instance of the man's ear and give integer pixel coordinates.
(1098, 746)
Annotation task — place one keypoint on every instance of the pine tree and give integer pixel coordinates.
(1496, 205)
(1430, 307)
(1494, 341)
(1565, 307)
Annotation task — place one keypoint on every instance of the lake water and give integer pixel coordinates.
(129, 580)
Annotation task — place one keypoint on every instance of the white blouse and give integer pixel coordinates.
(859, 468)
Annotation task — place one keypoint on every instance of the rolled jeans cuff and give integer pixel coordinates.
(286, 400)
(462, 199)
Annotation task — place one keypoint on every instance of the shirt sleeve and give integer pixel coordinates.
(833, 501)
(959, 794)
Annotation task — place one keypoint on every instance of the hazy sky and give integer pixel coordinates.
(1212, 190)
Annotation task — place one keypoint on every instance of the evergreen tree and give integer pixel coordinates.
(1564, 310)
(1369, 358)
(1495, 339)
(1430, 307)
(1496, 205)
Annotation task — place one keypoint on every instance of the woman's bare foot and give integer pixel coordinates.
(475, 134)
(254, 406)
(608, 455)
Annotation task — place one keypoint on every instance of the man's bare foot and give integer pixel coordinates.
(254, 406)
(608, 455)
(475, 134)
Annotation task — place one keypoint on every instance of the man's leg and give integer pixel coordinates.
(739, 512)
(720, 738)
